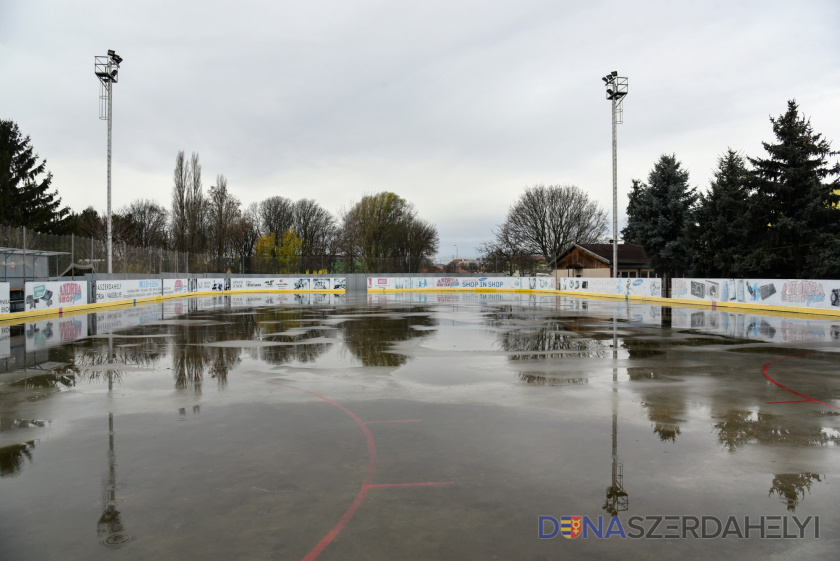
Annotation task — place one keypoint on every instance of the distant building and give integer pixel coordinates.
(595, 260)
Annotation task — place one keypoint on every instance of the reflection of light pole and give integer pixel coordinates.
(616, 90)
(106, 69)
(617, 498)
(110, 528)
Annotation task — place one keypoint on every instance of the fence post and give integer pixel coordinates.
(73, 256)
(24, 256)
(187, 273)
(91, 255)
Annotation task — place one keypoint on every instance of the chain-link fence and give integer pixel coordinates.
(31, 254)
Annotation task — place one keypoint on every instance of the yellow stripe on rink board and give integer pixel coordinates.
(19, 317)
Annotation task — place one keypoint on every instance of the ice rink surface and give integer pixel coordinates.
(415, 426)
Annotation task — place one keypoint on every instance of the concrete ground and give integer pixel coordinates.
(418, 426)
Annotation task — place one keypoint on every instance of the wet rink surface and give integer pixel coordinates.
(414, 426)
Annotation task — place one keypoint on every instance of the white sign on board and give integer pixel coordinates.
(56, 294)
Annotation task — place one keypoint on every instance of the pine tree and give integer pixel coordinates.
(718, 236)
(796, 198)
(25, 199)
(657, 213)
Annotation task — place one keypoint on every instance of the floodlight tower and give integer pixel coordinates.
(106, 69)
(616, 91)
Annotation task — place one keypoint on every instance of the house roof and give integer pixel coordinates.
(628, 254)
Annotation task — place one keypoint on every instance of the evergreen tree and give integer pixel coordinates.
(657, 214)
(718, 236)
(25, 199)
(795, 196)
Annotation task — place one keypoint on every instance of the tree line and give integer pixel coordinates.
(380, 232)
(776, 216)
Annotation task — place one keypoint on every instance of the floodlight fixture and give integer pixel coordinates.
(616, 91)
(106, 69)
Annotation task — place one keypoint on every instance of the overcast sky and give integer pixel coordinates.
(455, 106)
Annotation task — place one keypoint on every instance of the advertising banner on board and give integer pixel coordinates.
(287, 283)
(176, 286)
(300, 299)
(465, 283)
(56, 294)
(116, 290)
(619, 286)
(53, 332)
(817, 294)
(206, 285)
(5, 304)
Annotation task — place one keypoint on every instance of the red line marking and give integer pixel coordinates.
(422, 484)
(795, 401)
(366, 483)
(395, 421)
(807, 398)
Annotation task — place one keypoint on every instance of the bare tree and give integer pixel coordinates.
(244, 236)
(178, 216)
(222, 215)
(504, 251)
(196, 208)
(277, 215)
(313, 225)
(147, 222)
(545, 220)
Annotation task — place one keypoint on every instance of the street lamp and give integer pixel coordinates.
(616, 91)
(106, 69)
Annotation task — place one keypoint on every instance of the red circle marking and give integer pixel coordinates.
(807, 398)
(366, 483)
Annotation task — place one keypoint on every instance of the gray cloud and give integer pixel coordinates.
(455, 106)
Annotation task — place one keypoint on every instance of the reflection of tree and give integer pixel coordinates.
(192, 356)
(13, 457)
(743, 427)
(370, 337)
(90, 355)
(791, 487)
(536, 344)
(544, 379)
(45, 381)
(666, 410)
